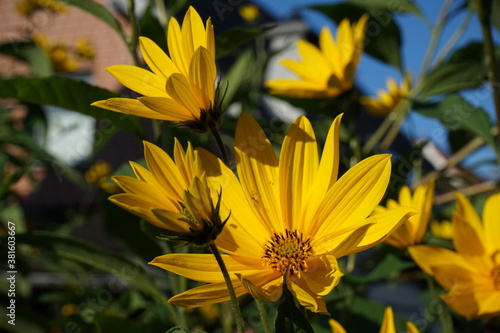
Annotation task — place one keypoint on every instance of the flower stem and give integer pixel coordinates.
(134, 39)
(263, 316)
(234, 302)
(222, 148)
(484, 15)
(442, 312)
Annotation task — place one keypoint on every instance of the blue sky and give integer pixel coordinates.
(372, 74)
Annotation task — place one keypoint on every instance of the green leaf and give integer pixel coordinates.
(465, 69)
(32, 54)
(389, 266)
(80, 251)
(69, 94)
(238, 76)
(454, 112)
(385, 7)
(231, 39)
(382, 37)
(290, 319)
(123, 325)
(100, 12)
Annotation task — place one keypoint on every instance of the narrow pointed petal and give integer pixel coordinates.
(322, 274)
(297, 170)
(330, 49)
(136, 186)
(467, 228)
(263, 286)
(168, 108)
(388, 321)
(257, 167)
(347, 243)
(207, 294)
(156, 59)
(306, 298)
(204, 267)
(210, 39)
(138, 79)
(354, 196)
(492, 224)
(423, 199)
(411, 328)
(335, 326)
(131, 107)
(179, 88)
(428, 256)
(202, 74)
(312, 59)
(193, 32)
(173, 221)
(176, 46)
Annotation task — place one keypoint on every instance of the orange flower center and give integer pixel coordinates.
(289, 251)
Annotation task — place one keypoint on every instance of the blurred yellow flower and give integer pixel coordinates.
(413, 230)
(60, 53)
(84, 48)
(173, 195)
(471, 274)
(28, 7)
(387, 324)
(178, 88)
(99, 173)
(290, 218)
(443, 229)
(386, 101)
(327, 71)
(249, 12)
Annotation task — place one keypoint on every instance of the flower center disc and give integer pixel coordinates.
(289, 251)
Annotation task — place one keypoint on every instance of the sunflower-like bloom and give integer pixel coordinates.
(413, 230)
(387, 324)
(179, 88)
(327, 71)
(386, 101)
(443, 229)
(173, 195)
(291, 219)
(99, 174)
(471, 274)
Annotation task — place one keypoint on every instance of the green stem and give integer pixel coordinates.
(263, 316)
(443, 313)
(134, 39)
(234, 301)
(454, 38)
(351, 263)
(222, 148)
(162, 13)
(484, 15)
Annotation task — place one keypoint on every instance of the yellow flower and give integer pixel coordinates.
(387, 324)
(84, 48)
(387, 101)
(249, 12)
(327, 71)
(471, 274)
(173, 195)
(27, 7)
(99, 174)
(291, 219)
(179, 88)
(443, 229)
(413, 230)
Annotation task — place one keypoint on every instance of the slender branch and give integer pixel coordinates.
(222, 148)
(263, 316)
(480, 188)
(134, 39)
(162, 13)
(234, 301)
(443, 313)
(484, 15)
(454, 38)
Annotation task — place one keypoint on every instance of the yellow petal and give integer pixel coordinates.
(322, 274)
(156, 59)
(345, 41)
(138, 205)
(345, 243)
(388, 321)
(257, 167)
(331, 50)
(296, 88)
(210, 39)
(170, 109)
(423, 200)
(307, 298)
(427, 257)
(492, 223)
(308, 72)
(131, 107)
(193, 33)
(467, 229)
(204, 267)
(353, 197)
(171, 220)
(202, 75)
(207, 294)
(179, 88)
(139, 80)
(164, 170)
(176, 46)
(335, 326)
(266, 285)
(411, 328)
(297, 170)
(136, 186)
